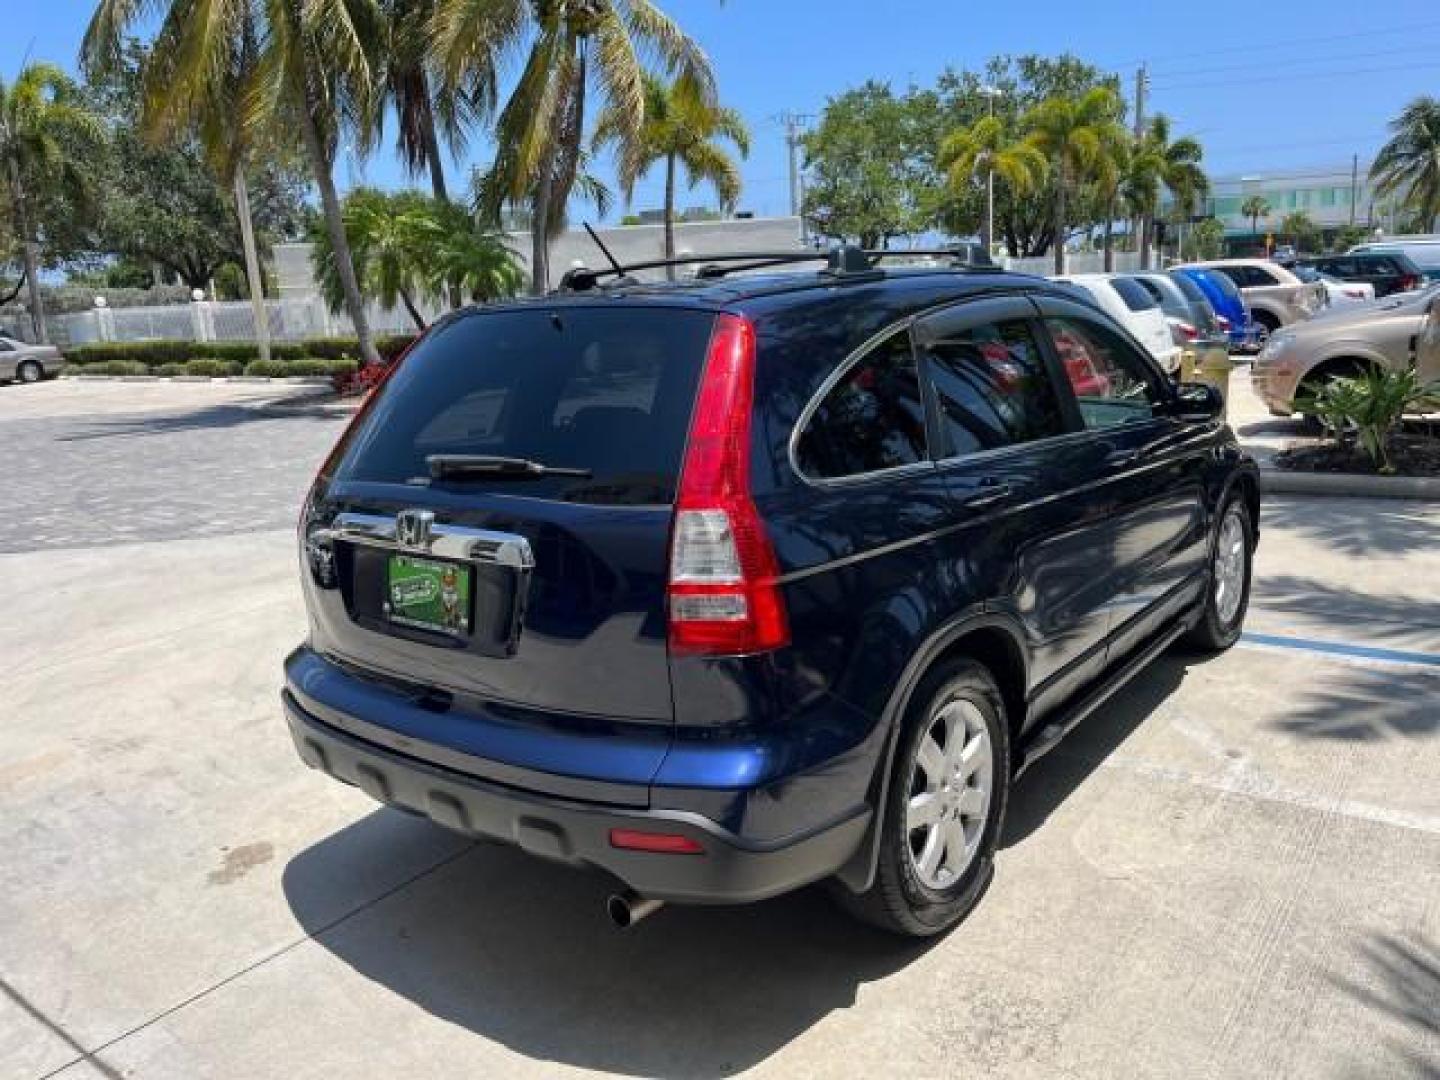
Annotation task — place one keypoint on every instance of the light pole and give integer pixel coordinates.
(991, 93)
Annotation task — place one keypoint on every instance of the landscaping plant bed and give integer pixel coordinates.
(1411, 455)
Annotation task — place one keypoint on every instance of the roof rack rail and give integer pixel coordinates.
(842, 261)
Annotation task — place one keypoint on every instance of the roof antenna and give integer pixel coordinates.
(604, 250)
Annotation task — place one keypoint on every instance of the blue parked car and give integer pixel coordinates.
(729, 585)
(1229, 305)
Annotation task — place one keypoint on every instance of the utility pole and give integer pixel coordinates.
(794, 123)
(1354, 186)
(1140, 225)
(991, 93)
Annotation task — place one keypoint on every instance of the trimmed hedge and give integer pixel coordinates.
(308, 366)
(203, 365)
(157, 353)
(117, 367)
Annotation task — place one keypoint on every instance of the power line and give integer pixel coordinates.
(1400, 28)
(1305, 75)
(1310, 61)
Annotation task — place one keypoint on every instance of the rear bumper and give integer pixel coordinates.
(731, 869)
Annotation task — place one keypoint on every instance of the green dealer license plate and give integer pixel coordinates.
(428, 595)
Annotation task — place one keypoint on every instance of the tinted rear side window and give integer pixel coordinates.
(1136, 297)
(610, 391)
(872, 419)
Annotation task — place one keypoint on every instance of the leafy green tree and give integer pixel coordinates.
(1299, 226)
(1347, 238)
(681, 131)
(540, 132)
(1076, 135)
(268, 67)
(1012, 87)
(871, 168)
(1255, 207)
(972, 154)
(165, 205)
(408, 247)
(1408, 166)
(1208, 238)
(42, 122)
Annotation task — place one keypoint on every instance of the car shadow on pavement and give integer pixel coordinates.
(210, 418)
(519, 951)
(1045, 786)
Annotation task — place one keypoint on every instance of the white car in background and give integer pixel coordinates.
(1133, 307)
(1338, 293)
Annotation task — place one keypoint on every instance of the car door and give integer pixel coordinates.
(1146, 469)
(1023, 522)
(8, 359)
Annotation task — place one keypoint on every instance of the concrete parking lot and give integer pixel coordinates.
(1232, 871)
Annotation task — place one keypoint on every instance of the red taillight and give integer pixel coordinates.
(723, 595)
(1223, 321)
(661, 843)
(1409, 281)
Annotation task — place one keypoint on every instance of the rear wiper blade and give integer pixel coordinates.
(443, 466)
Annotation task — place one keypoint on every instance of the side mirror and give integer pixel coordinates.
(1197, 403)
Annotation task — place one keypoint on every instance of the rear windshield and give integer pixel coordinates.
(1192, 291)
(610, 391)
(1226, 286)
(1134, 294)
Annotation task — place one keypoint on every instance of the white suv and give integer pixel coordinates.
(1130, 304)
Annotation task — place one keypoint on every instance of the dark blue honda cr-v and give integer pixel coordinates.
(732, 584)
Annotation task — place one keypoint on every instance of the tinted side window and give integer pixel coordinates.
(872, 419)
(992, 387)
(1134, 294)
(1112, 384)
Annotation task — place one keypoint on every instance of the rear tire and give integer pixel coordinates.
(949, 783)
(29, 371)
(1227, 590)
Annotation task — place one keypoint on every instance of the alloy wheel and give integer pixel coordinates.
(951, 784)
(1229, 565)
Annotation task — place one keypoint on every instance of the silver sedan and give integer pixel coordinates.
(24, 363)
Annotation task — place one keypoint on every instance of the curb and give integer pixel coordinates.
(290, 380)
(1350, 485)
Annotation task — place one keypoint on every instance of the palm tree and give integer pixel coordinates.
(985, 148)
(1176, 167)
(210, 113)
(423, 117)
(1255, 207)
(1075, 135)
(1297, 225)
(1409, 164)
(540, 132)
(680, 129)
(40, 117)
(314, 71)
(1110, 173)
(408, 248)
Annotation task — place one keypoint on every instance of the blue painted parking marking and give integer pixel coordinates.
(1340, 648)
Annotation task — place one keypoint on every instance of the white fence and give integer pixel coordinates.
(1082, 262)
(291, 319)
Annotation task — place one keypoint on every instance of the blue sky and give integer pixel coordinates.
(1318, 84)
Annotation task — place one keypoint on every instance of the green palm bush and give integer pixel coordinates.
(1369, 406)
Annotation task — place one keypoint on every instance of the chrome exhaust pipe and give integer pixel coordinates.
(629, 907)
